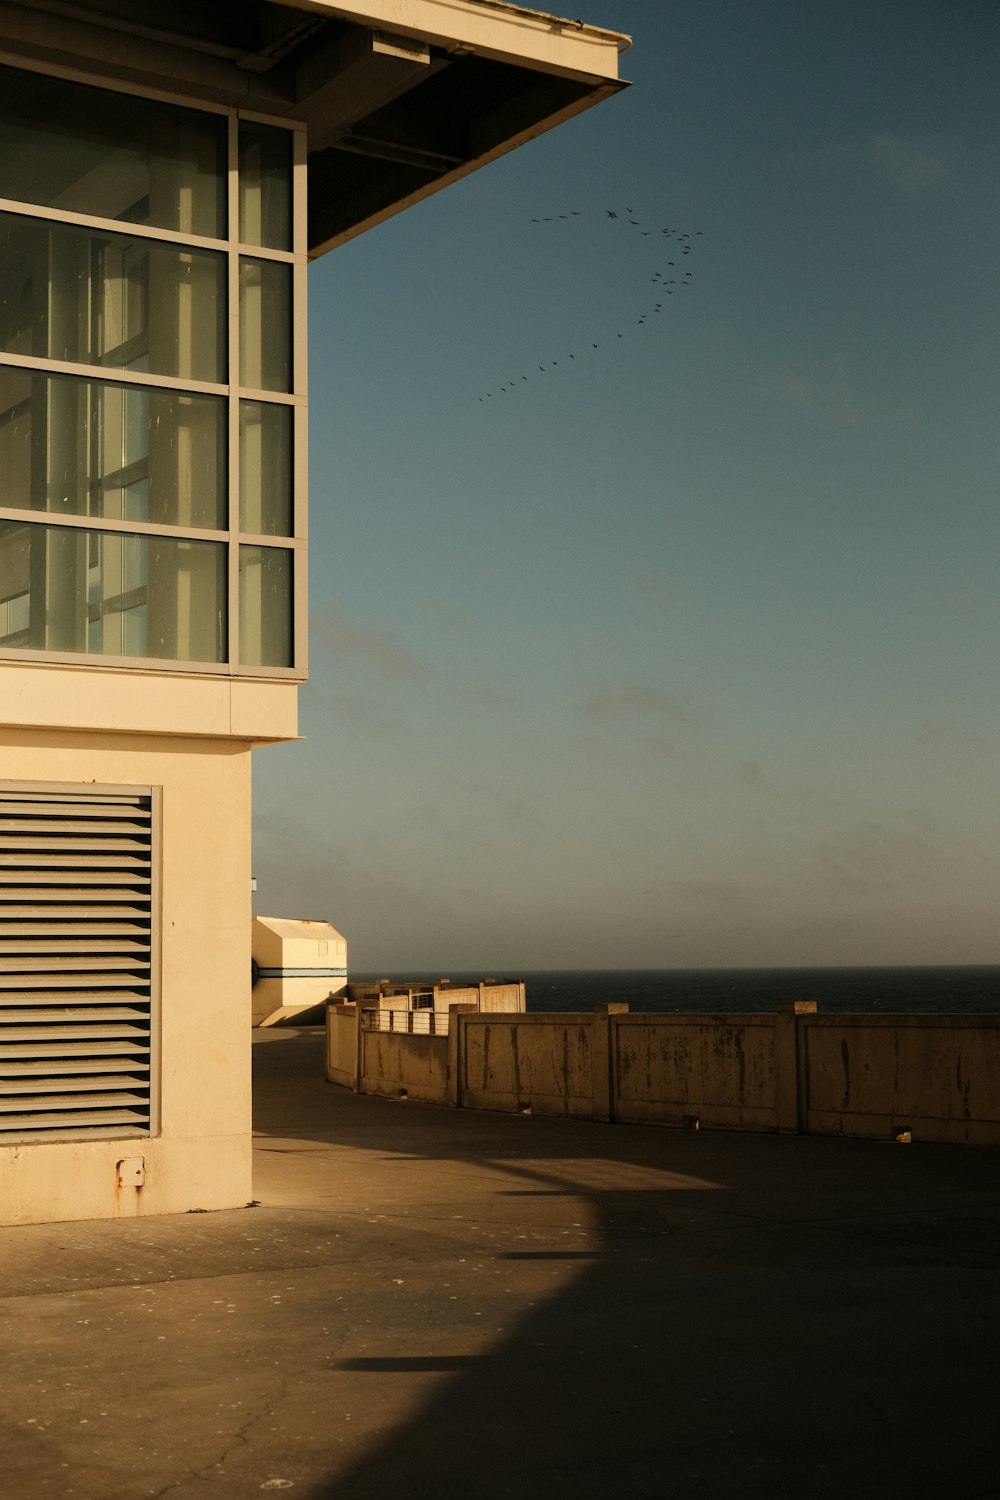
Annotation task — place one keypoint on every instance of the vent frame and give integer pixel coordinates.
(118, 1011)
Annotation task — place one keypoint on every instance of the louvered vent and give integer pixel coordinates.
(76, 954)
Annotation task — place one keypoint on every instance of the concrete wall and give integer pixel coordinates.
(718, 1068)
(200, 1157)
(412, 1067)
(343, 1052)
(937, 1077)
(541, 1063)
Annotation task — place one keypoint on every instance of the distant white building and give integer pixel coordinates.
(167, 171)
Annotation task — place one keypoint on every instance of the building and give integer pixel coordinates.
(167, 171)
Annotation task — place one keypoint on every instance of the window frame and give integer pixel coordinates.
(231, 390)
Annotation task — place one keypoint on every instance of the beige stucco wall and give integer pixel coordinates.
(201, 1155)
(53, 695)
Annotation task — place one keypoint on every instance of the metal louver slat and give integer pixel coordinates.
(17, 1095)
(76, 962)
(75, 918)
(38, 894)
(68, 825)
(61, 999)
(26, 1073)
(69, 1101)
(30, 860)
(44, 963)
(56, 876)
(25, 1126)
(14, 986)
(47, 1047)
(38, 945)
(72, 1013)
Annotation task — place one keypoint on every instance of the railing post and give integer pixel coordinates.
(603, 1060)
(789, 1066)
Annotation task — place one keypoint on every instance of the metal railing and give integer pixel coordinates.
(422, 1022)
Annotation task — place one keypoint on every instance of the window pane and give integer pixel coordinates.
(266, 607)
(106, 594)
(265, 186)
(105, 299)
(265, 468)
(265, 325)
(98, 448)
(68, 146)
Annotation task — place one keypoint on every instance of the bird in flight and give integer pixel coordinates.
(666, 285)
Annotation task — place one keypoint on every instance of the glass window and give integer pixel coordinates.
(108, 593)
(105, 299)
(91, 151)
(99, 448)
(265, 468)
(266, 606)
(265, 186)
(265, 325)
(94, 441)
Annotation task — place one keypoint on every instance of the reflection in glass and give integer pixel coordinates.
(92, 151)
(108, 594)
(265, 468)
(266, 606)
(105, 299)
(265, 325)
(98, 448)
(265, 186)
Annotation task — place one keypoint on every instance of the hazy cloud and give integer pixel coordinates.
(824, 398)
(632, 701)
(751, 776)
(717, 895)
(484, 795)
(655, 586)
(881, 858)
(380, 652)
(957, 742)
(913, 164)
(830, 400)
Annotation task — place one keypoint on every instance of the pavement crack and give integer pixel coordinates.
(239, 1442)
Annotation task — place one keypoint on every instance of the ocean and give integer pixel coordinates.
(968, 988)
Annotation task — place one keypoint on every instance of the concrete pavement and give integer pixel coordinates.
(431, 1305)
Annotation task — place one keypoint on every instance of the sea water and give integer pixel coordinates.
(968, 988)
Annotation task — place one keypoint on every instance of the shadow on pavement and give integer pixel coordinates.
(644, 1312)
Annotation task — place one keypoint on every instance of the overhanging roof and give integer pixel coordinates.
(401, 97)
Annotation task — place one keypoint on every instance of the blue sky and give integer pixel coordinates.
(682, 652)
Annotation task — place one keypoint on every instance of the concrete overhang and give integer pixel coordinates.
(400, 97)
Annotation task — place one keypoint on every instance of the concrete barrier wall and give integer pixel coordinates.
(405, 1066)
(501, 997)
(938, 1076)
(541, 1064)
(342, 1044)
(935, 1076)
(718, 1069)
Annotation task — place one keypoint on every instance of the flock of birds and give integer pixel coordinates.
(673, 242)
